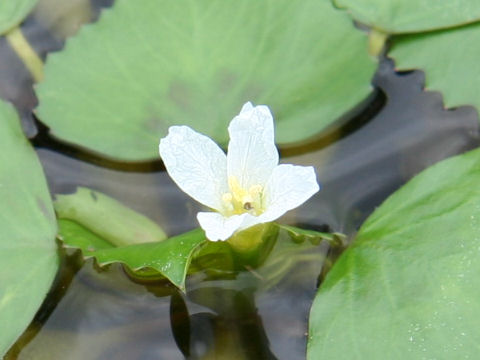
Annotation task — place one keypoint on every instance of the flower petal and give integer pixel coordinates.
(252, 154)
(288, 187)
(196, 164)
(218, 227)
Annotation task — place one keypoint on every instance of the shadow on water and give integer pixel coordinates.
(228, 326)
(412, 132)
(100, 314)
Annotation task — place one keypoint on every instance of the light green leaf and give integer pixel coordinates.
(12, 13)
(28, 258)
(170, 257)
(107, 218)
(409, 285)
(146, 65)
(407, 16)
(450, 72)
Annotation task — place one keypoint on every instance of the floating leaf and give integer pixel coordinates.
(77, 236)
(409, 285)
(282, 247)
(406, 16)
(120, 83)
(170, 257)
(64, 18)
(28, 255)
(12, 13)
(108, 218)
(447, 71)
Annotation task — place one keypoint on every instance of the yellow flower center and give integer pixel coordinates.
(240, 200)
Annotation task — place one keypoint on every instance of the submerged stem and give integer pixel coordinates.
(26, 53)
(376, 41)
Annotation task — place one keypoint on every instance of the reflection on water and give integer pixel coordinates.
(101, 314)
(412, 132)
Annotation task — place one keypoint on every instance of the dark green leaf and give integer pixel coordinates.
(170, 257)
(409, 285)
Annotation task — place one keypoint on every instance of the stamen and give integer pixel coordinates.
(255, 189)
(240, 200)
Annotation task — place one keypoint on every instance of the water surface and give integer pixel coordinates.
(101, 314)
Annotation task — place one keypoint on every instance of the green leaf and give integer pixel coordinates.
(292, 247)
(334, 239)
(170, 257)
(28, 258)
(407, 16)
(447, 71)
(409, 285)
(12, 13)
(107, 218)
(146, 65)
(214, 257)
(77, 236)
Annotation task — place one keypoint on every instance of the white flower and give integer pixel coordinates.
(246, 187)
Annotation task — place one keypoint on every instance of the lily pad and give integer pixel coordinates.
(447, 71)
(171, 258)
(28, 254)
(408, 287)
(407, 16)
(12, 13)
(107, 218)
(120, 83)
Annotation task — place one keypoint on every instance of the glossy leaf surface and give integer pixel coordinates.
(170, 257)
(408, 287)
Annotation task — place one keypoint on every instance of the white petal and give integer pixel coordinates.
(288, 187)
(248, 106)
(196, 164)
(218, 227)
(252, 154)
(251, 220)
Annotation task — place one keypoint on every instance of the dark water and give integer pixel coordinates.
(95, 313)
